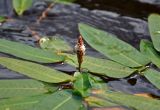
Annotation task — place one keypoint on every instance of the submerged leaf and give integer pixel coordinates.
(154, 28)
(153, 76)
(28, 52)
(35, 71)
(112, 47)
(147, 49)
(21, 103)
(61, 100)
(24, 87)
(21, 5)
(102, 66)
(54, 44)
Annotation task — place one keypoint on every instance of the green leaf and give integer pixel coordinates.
(102, 66)
(64, 1)
(2, 19)
(112, 47)
(82, 85)
(35, 71)
(153, 76)
(97, 83)
(21, 5)
(54, 44)
(28, 52)
(147, 49)
(135, 102)
(21, 103)
(94, 101)
(61, 100)
(154, 29)
(25, 87)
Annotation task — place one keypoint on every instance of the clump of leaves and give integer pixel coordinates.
(44, 92)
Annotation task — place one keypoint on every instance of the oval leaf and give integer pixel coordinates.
(21, 103)
(61, 100)
(147, 49)
(21, 5)
(154, 29)
(153, 76)
(25, 87)
(35, 71)
(28, 52)
(102, 66)
(112, 47)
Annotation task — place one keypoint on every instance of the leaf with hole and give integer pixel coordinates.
(35, 71)
(22, 87)
(102, 66)
(112, 47)
(54, 44)
(61, 100)
(147, 49)
(153, 76)
(20, 103)
(29, 53)
(21, 5)
(154, 29)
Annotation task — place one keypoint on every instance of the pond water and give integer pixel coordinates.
(127, 21)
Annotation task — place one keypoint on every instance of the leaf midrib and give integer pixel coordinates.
(63, 102)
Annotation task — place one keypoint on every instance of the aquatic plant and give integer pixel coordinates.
(50, 89)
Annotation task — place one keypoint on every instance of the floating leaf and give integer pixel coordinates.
(112, 47)
(61, 100)
(21, 103)
(102, 66)
(94, 101)
(147, 49)
(153, 76)
(82, 85)
(154, 29)
(97, 83)
(35, 71)
(2, 19)
(64, 1)
(21, 5)
(54, 44)
(28, 52)
(25, 87)
(135, 102)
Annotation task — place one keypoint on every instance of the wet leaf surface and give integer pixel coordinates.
(61, 100)
(22, 87)
(112, 47)
(154, 28)
(29, 53)
(35, 71)
(153, 76)
(102, 66)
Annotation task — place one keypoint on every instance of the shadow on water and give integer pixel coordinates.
(131, 8)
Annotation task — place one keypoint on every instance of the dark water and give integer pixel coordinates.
(134, 8)
(127, 21)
